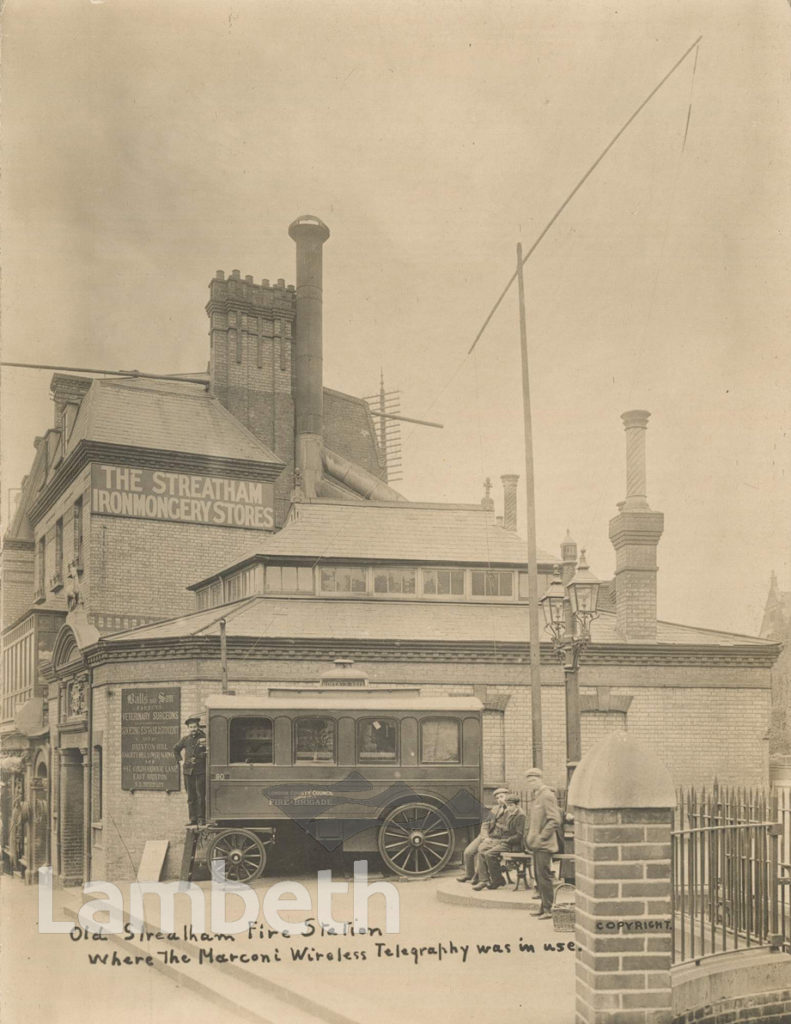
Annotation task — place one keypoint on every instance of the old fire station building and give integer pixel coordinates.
(236, 529)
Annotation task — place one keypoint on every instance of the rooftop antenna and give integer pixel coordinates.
(386, 406)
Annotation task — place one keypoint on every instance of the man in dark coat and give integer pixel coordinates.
(194, 768)
(543, 822)
(505, 836)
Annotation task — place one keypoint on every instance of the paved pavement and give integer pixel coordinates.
(468, 962)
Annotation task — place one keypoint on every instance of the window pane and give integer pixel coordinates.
(358, 580)
(328, 579)
(439, 741)
(376, 739)
(250, 741)
(315, 739)
(380, 583)
(457, 582)
(409, 577)
(429, 581)
(478, 583)
(289, 578)
(506, 584)
(305, 579)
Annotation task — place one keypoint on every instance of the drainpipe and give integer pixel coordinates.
(88, 782)
(223, 658)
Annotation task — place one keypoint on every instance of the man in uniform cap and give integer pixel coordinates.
(543, 821)
(471, 850)
(194, 767)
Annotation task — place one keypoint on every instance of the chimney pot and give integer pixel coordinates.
(220, 275)
(281, 283)
(510, 480)
(264, 282)
(235, 274)
(248, 278)
(635, 424)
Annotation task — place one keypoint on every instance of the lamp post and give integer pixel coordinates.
(568, 612)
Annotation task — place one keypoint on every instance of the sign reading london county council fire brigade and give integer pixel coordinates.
(181, 497)
(150, 728)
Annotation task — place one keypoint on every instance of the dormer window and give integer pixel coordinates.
(443, 582)
(343, 579)
(289, 579)
(395, 581)
(491, 583)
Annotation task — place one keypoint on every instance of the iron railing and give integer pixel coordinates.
(730, 871)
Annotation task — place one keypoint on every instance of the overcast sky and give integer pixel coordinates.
(147, 144)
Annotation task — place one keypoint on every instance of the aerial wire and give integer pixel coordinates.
(578, 186)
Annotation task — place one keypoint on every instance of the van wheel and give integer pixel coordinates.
(241, 853)
(416, 840)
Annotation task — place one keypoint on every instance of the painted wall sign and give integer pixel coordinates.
(181, 497)
(150, 728)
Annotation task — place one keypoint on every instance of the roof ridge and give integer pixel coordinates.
(123, 383)
(709, 629)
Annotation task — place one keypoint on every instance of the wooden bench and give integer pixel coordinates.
(522, 864)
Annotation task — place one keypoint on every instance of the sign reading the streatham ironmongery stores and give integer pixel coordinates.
(150, 728)
(181, 497)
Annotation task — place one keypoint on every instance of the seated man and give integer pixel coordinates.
(471, 849)
(504, 836)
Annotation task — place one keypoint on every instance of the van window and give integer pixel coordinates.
(439, 741)
(377, 740)
(315, 739)
(251, 741)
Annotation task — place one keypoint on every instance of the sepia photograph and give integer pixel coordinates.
(395, 511)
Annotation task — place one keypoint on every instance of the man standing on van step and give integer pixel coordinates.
(541, 839)
(194, 768)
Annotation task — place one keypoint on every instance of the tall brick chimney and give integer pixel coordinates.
(510, 480)
(250, 364)
(310, 234)
(635, 534)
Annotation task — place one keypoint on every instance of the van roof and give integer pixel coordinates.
(360, 700)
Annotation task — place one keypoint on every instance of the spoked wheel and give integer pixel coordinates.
(416, 840)
(242, 853)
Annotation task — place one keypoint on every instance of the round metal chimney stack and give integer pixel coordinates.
(310, 234)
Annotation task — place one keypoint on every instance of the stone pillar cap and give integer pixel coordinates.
(621, 773)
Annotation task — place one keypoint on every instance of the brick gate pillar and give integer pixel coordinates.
(622, 799)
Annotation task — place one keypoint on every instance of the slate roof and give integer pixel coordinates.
(417, 621)
(165, 415)
(396, 531)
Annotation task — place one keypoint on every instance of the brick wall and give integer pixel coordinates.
(493, 734)
(674, 723)
(17, 581)
(142, 567)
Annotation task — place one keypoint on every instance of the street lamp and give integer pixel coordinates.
(568, 612)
